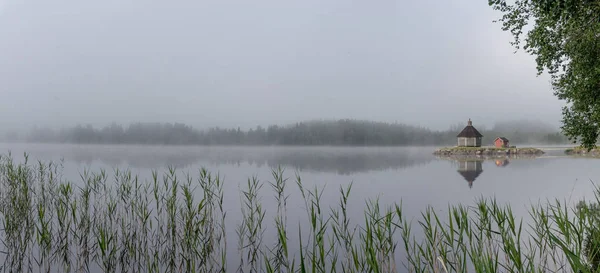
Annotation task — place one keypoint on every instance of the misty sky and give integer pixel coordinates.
(248, 63)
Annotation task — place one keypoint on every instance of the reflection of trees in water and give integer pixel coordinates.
(322, 159)
(345, 164)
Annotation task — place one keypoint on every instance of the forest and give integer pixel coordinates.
(345, 132)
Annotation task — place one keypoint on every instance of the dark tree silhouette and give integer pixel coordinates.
(337, 133)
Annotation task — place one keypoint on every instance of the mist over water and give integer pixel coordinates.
(410, 174)
(210, 64)
(336, 93)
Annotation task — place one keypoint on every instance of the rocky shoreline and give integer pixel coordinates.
(488, 157)
(580, 151)
(490, 151)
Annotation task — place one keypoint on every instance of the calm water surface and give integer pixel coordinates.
(408, 174)
(411, 175)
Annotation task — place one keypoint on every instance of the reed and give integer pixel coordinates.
(176, 222)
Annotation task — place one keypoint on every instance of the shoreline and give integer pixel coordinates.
(580, 151)
(488, 151)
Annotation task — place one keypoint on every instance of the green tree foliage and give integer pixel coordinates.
(564, 37)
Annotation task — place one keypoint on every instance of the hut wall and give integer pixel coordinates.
(469, 141)
(469, 165)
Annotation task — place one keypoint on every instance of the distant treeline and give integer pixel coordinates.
(338, 132)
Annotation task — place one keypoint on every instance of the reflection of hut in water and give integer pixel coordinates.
(502, 163)
(470, 170)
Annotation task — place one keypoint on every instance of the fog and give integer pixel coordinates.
(248, 63)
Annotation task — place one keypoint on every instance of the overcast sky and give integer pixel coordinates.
(248, 63)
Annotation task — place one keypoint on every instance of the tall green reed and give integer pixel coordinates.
(176, 223)
(250, 231)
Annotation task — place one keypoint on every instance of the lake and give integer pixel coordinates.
(411, 175)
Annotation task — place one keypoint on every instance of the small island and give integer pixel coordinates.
(581, 151)
(469, 143)
(489, 151)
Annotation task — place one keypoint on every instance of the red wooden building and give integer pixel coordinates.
(501, 142)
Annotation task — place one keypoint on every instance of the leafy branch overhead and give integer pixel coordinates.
(564, 38)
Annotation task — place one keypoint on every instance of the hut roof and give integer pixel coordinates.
(469, 131)
(503, 139)
(470, 176)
